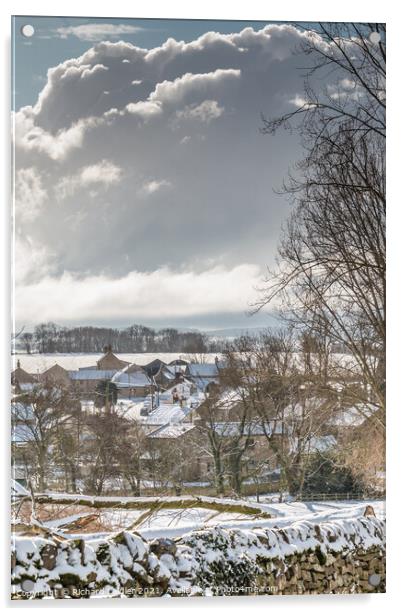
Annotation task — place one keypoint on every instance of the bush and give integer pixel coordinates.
(325, 475)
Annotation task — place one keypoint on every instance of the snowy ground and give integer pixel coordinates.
(173, 523)
(73, 361)
(176, 522)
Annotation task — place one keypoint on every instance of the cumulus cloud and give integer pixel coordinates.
(97, 32)
(104, 174)
(168, 142)
(174, 92)
(67, 97)
(139, 295)
(32, 138)
(144, 109)
(204, 112)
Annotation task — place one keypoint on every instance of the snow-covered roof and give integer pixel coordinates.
(166, 414)
(202, 383)
(322, 443)
(195, 399)
(183, 389)
(90, 374)
(131, 378)
(236, 428)
(168, 372)
(229, 398)
(314, 444)
(26, 386)
(17, 489)
(353, 416)
(297, 410)
(171, 431)
(178, 363)
(22, 411)
(133, 411)
(21, 434)
(203, 370)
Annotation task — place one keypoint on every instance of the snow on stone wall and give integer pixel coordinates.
(345, 556)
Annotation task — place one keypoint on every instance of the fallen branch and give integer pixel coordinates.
(153, 504)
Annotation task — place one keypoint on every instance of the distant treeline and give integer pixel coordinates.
(52, 338)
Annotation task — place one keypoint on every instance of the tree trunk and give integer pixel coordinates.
(219, 476)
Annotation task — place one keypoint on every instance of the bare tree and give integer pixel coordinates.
(330, 278)
(27, 339)
(224, 435)
(39, 416)
(361, 450)
(211, 443)
(131, 446)
(287, 402)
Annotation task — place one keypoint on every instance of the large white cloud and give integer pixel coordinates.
(190, 85)
(76, 88)
(139, 296)
(152, 161)
(33, 139)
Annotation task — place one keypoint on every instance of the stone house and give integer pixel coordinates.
(109, 361)
(21, 379)
(86, 380)
(132, 382)
(56, 375)
(204, 376)
(170, 453)
(162, 375)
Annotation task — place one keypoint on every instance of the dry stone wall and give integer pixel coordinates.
(347, 556)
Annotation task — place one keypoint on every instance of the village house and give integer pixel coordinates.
(21, 379)
(179, 364)
(162, 375)
(172, 445)
(204, 376)
(260, 454)
(167, 414)
(109, 361)
(86, 380)
(222, 405)
(132, 382)
(56, 375)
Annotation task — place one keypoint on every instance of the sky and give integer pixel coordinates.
(144, 189)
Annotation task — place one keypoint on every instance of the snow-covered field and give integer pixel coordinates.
(72, 361)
